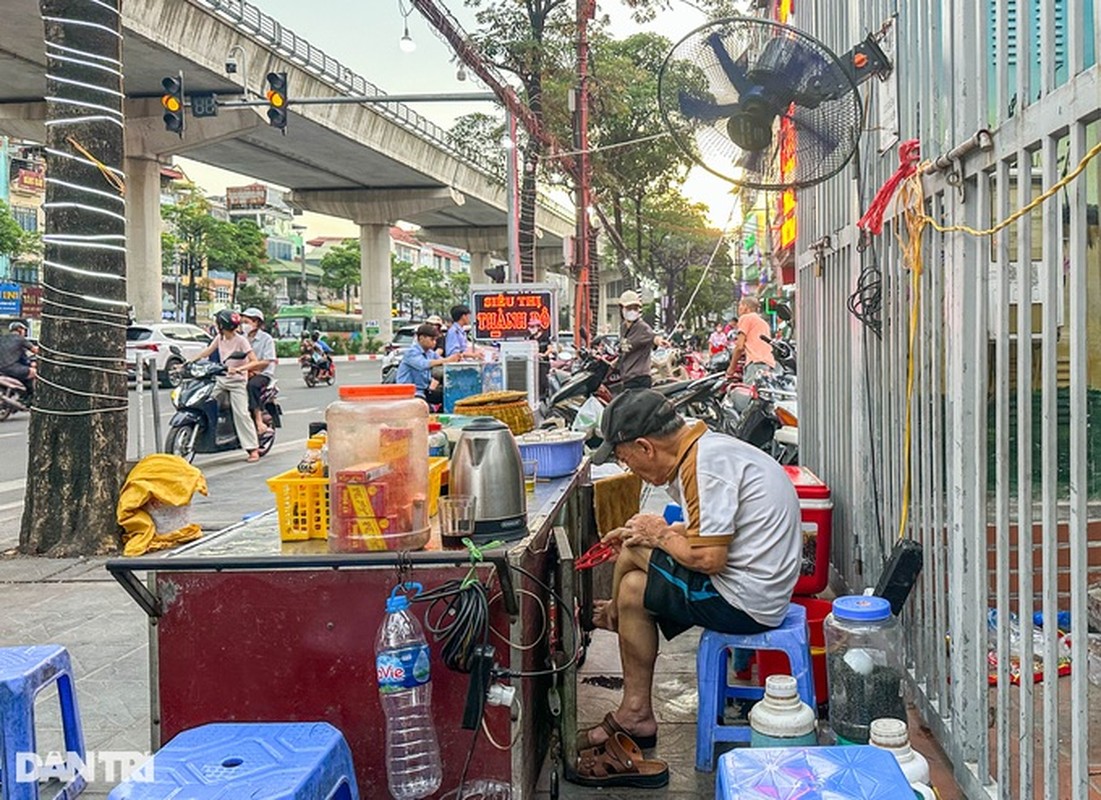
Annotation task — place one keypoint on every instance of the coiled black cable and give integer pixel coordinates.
(458, 618)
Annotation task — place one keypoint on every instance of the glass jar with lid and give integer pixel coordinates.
(378, 469)
(864, 666)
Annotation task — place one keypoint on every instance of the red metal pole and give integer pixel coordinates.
(583, 322)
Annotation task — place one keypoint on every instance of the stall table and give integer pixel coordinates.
(246, 627)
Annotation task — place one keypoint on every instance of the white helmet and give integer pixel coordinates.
(253, 313)
(18, 325)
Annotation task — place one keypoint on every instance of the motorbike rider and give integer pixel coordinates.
(541, 336)
(230, 344)
(758, 352)
(322, 348)
(15, 355)
(636, 343)
(262, 371)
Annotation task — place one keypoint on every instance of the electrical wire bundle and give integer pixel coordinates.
(458, 618)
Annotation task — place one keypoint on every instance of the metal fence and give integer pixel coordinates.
(1003, 464)
(268, 31)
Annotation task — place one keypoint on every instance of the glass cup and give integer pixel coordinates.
(457, 516)
(531, 471)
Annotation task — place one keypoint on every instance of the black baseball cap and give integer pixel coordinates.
(632, 415)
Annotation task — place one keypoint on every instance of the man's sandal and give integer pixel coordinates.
(619, 762)
(611, 726)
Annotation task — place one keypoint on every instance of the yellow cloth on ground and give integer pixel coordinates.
(616, 499)
(163, 479)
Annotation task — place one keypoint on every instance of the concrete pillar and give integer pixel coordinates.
(479, 262)
(374, 271)
(143, 237)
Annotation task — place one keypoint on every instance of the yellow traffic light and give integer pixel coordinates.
(171, 103)
(276, 99)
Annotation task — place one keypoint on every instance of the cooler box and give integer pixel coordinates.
(817, 517)
(859, 772)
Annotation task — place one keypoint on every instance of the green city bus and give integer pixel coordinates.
(290, 321)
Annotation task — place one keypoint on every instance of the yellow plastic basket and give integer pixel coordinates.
(437, 466)
(303, 505)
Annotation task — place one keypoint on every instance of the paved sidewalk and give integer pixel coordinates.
(74, 602)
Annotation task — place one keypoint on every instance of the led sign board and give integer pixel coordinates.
(501, 312)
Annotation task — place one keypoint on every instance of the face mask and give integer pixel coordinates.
(630, 316)
(248, 328)
(533, 331)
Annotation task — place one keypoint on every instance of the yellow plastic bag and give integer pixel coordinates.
(157, 482)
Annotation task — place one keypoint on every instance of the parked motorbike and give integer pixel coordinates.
(203, 422)
(587, 380)
(318, 368)
(14, 397)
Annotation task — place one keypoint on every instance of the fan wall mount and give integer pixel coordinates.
(764, 105)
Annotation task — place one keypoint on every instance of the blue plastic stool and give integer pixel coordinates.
(860, 772)
(24, 672)
(711, 668)
(230, 760)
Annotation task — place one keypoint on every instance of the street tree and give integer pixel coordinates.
(531, 40)
(675, 236)
(460, 290)
(78, 425)
(341, 270)
(239, 248)
(14, 241)
(481, 134)
(192, 226)
(402, 281)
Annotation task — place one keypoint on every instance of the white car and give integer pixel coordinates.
(155, 339)
(404, 336)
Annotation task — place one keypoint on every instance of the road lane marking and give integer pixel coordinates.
(301, 411)
(11, 486)
(12, 435)
(9, 506)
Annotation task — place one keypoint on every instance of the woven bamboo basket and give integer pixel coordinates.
(510, 407)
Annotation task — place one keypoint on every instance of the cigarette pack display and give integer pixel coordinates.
(363, 473)
(358, 500)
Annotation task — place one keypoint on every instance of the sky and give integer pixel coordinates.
(367, 42)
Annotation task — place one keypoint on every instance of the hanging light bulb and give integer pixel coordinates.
(461, 74)
(406, 42)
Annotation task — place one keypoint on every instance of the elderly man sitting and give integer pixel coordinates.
(731, 567)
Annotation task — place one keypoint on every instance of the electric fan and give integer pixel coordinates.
(764, 105)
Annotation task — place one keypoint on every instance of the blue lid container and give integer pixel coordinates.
(862, 608)
(860, 772)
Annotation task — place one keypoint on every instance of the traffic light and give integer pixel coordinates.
(277, 100)
(173, 102)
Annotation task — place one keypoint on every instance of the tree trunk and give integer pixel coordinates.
(78, 426)
(528, 197)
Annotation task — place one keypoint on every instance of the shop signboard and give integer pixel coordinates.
(11, 304)
(501, 311)
(32, 181)
(254, 195)
(32, 302)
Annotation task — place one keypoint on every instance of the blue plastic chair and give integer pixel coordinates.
(712, 661)
(273, 760)
(24, 672)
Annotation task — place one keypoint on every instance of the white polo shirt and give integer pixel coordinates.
(735, 494)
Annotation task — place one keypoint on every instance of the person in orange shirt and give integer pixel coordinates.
(748, 341)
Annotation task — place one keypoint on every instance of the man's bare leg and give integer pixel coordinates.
(629, 558)
(638, 645)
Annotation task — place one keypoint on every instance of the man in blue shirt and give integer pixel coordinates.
(416, 365)
(456, 336)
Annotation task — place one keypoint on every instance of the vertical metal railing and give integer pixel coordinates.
(1005, 377)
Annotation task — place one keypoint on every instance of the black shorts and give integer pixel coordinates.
(680, 599)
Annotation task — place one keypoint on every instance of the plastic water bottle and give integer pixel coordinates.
(402, 662)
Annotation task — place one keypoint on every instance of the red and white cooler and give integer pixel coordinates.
(816, 509)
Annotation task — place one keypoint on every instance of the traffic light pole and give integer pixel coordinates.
(370, 99)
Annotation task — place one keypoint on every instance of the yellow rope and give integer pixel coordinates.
(1020, 212)
(116, 182)
(912, 200)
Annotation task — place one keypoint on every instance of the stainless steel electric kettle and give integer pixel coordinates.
(486, 464)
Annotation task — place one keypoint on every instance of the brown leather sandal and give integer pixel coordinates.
(619, 762)
(611, 726)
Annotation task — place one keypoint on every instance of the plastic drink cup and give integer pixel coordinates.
(531, 472)
(457, 516)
